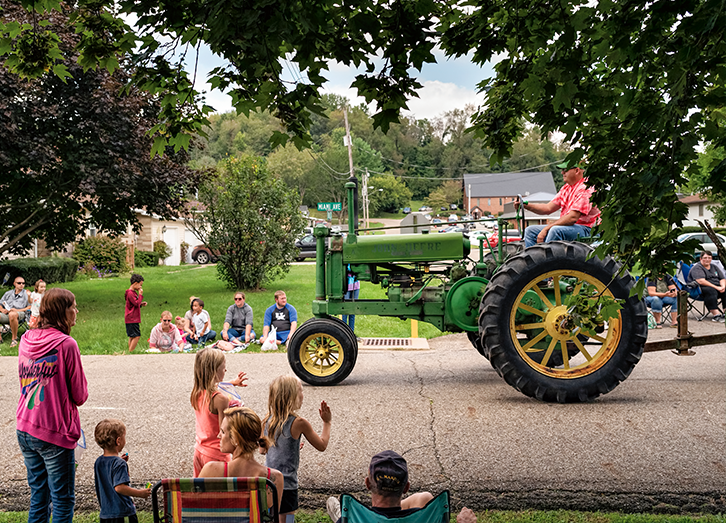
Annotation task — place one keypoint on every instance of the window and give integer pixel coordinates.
(700, 209)
(92, 230)
(490, 202)
(500, 201)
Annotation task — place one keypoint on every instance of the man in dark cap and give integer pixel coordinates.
(388, 481)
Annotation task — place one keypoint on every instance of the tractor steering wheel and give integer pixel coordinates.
(520, 216)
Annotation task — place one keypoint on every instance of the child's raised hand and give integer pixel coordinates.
(239, 381)
(325, 412)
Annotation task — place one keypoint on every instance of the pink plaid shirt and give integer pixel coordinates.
(577, 198)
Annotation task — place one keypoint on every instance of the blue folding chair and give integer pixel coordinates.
(435, 511)
(695, 297)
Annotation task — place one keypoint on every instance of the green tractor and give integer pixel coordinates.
(515, 305)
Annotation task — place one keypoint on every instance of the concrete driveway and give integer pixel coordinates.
(656, 443)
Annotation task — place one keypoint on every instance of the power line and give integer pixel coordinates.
(483, 175)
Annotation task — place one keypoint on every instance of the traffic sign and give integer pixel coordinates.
(330, 206)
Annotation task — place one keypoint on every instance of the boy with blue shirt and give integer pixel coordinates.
(112, 475)
(282, 316)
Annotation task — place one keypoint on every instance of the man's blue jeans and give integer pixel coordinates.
(350, 319)
(209, 336)
(51, 477)
(558, 232)
(239, 334)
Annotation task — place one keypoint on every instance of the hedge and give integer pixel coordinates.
(50, 269)
(146, 258)
(106, 254)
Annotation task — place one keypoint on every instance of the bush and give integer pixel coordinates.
(146, 258)
(51, 269)
(162, 249)
(184, 248)
(102, 252)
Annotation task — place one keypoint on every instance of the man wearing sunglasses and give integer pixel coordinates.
(238, 321)
(577, 214)
(14, 308)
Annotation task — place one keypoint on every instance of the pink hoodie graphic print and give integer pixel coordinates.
(52, 386)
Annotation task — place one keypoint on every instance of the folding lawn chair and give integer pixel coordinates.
(206, 500)
(435, 511)
(695, 298)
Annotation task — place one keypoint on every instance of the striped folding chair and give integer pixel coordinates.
(435, 511)
(207, 500)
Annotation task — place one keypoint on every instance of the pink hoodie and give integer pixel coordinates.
(52, 385)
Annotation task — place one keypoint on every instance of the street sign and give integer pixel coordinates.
(330, 206)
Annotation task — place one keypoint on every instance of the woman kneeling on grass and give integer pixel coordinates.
(52, 386)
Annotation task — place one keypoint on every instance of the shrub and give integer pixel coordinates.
(146, 258)
(184, 250)
(162, 249)
(102, 252)
(50, 269)
(91, 271)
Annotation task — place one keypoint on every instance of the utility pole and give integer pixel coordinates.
(468, 207)
(352, 172)
(366, 211)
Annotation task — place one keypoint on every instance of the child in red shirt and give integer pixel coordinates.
(132, 313)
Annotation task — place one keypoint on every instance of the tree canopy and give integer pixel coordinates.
(636, 86)
(74, 151)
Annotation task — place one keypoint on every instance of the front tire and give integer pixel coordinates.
(322, 351)
(202, 258)
(525, 324)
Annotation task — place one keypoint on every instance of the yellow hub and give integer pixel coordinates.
(321, 354)
(547, 343)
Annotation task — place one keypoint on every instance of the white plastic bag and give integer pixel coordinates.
(271, 341)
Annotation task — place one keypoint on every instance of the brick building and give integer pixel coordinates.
(487, 193)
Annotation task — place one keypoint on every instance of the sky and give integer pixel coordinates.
(448, 84)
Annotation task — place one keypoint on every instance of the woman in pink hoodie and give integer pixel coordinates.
(52, 386)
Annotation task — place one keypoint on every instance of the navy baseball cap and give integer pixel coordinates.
(389, 471)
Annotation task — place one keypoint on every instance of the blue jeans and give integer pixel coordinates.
(656, 303)
(207, 337)
(558, 232)
(350, 319)
(234, 333)
(51, 477)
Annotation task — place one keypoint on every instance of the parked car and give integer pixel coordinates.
(453, 218)
(407, 210)
(425, 209)
(706, 242)
(444, 209)
(509, 236)
(203, 255)
(454, 228)
(436, 223)
(453, 207)
(306, 246)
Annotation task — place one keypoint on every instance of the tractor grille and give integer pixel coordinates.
(393, 343)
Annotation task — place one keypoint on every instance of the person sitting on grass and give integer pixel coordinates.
(14, 308)
(165, 336)
(387, 481)
(238, 321)
(282, 316)
(202, 324)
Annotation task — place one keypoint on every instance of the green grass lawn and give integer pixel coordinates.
(489, 516)
(100, 325)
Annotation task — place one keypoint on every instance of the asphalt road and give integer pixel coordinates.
(656, 443)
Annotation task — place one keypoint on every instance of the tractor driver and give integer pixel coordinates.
(577, 214)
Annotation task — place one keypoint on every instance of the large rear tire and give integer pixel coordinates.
(524, 324)
(322, 351)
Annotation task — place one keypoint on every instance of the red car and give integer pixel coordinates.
(203, 254)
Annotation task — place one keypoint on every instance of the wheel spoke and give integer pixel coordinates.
(544, 299)
(532, 310)
(556, 282)
(582, 348)
(598, 338)
(548, 354)
(577, 288)
(529, 326)
(565, 357)
(534, 340)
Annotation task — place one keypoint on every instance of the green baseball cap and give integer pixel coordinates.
(571, 164)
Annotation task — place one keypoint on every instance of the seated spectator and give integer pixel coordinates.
(577, 214)
(165, 336)
(662, 291)
(188, 324)
(713, 284)
(202, 324)
(180, 327)
(387, 480)
(238, 321)
(282, 316)
(14, 308)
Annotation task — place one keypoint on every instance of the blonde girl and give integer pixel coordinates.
(285, 427)
(240, 435)
(35, 298)
(209, 404)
